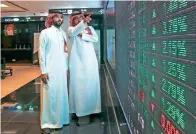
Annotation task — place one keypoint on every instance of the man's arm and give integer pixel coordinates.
(74, 31)
(90, 38)
(65, 38)
(42, 56)
(42, 52)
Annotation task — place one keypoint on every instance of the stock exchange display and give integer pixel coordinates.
(161, 67)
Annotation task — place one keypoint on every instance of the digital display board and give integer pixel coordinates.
(161, 69)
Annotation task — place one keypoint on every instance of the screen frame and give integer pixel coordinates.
(112, 71)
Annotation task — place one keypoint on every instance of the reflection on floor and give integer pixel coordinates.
(20, 114)
(21, 76)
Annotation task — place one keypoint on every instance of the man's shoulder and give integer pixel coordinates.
(63, 32)
(70, 27)
(91, 27)
(44, 31)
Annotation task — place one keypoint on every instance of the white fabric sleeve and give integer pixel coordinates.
(90, 38)
(66, 54)
(42, 52)
(74, 31)
(67, 63)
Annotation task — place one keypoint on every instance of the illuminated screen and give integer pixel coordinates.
(110, 32)
(160, 94)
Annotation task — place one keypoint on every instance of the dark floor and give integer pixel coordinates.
(26, 120)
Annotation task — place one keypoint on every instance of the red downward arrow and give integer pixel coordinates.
(152, 107)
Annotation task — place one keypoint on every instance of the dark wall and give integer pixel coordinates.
(20, 45)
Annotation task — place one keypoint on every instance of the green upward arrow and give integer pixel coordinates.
(153, 94)
(152, 124)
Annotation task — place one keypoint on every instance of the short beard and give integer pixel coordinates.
(57, 25)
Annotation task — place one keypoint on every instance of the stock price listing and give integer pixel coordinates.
(162, 67)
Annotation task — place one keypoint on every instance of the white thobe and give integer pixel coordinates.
(84, 87)
(54, 61)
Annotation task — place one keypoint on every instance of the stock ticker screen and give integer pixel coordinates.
(161, 67)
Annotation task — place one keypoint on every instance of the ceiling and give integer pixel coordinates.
(40, 8)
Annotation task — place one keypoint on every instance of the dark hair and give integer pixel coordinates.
(74, 14)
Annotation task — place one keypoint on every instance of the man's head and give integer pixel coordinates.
(55, 19)
(75, 18)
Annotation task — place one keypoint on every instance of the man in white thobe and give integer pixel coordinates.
(54, 65)
(84, 87)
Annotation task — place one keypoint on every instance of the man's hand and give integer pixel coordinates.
(89, 31)
(80, 35)
(87, 19)
(44, 78)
